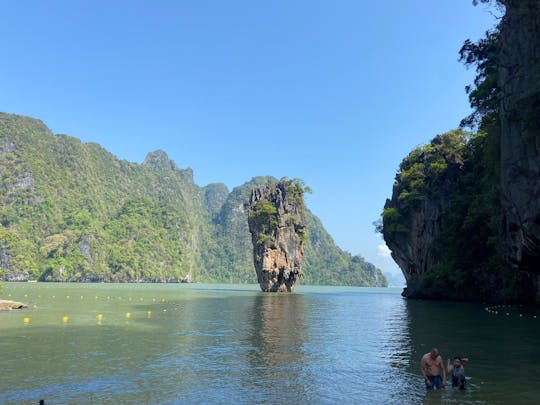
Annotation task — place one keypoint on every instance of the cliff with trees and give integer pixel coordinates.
(464, 218)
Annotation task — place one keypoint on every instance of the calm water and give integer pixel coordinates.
(225, 343)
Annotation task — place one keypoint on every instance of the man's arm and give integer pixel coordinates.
(423, 368)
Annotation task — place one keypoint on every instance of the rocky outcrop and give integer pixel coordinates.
(278, 229)
(414, 251)
(519, 81)
(413, 226)
(9, 305)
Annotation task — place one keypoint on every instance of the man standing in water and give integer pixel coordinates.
(431, 365)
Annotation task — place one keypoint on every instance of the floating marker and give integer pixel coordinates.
(128, 315)
(26, 295)
(164, 310)
(26, 321)
(65, 319)
(81, 297)
(67, 296)
(148, 314)
(100, 317)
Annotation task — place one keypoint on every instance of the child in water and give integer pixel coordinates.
(457, 371)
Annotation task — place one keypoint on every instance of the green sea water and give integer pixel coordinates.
(186, 344)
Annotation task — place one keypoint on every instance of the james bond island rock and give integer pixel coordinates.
(278, 230)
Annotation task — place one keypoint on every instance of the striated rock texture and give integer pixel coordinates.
(414, 251)
(277, 225)
(519, 81)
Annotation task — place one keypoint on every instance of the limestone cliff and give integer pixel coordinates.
(414, 251)
(278, 229)
(413, 217)
(519, 81)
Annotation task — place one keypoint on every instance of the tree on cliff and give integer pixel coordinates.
(484, 97)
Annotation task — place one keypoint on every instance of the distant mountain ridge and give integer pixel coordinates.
(72, 211)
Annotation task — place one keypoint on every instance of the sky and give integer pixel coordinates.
(334, 92)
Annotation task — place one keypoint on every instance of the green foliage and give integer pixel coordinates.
(485, 95)
(393, 222)
(264, 214)
(427, 165)
(296, 189)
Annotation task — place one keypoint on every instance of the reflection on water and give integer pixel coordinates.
(278, 330)
(223, 344)
(277, 335)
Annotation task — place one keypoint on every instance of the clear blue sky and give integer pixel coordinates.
(335, 92)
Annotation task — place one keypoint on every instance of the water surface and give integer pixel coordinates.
(230, 343)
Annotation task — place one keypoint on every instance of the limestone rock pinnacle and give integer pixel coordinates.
(278, 229)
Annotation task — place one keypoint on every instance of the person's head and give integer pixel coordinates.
(457, 361)
(434, 353)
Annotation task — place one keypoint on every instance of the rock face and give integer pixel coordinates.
(413, 251)
(414, 237)
(9, 305)
(278, 229)
(519, 81)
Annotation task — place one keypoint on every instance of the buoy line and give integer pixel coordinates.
(147, 314)
(509, 310)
